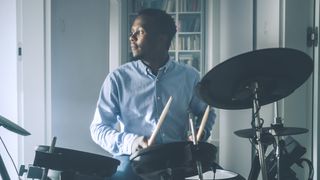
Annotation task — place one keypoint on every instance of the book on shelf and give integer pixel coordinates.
(169, 5)
(189, 42)
(196, 25)
(197, 43)
(189, 5)
(189, 23)
(189, 59)
(166, 5)
(173, 45)
(186, 58)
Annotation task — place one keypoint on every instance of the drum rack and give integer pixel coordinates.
(251, 80)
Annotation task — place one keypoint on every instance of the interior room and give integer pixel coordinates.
(55, 55)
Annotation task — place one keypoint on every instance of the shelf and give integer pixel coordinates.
(188, 33)
(190, 13)
(199, 51)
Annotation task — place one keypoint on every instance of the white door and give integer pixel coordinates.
(298, 106)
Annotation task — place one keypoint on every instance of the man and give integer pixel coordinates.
(134, 95)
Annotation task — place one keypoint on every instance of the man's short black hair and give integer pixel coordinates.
(162, 22)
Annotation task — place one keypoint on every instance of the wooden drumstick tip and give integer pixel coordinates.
(203, 122)
(161, 119)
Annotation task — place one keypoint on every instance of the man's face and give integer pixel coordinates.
(142, 39)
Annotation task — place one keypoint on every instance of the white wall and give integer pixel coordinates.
(79, 65)
(8, 80)
(235, 38)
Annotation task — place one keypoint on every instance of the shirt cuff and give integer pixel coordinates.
(129, 143)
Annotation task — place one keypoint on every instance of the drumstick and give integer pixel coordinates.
(161, 119)
(203, 122)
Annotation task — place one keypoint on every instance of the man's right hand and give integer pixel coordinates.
(139, 143)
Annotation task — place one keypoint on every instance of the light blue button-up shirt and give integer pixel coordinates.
(132, 99)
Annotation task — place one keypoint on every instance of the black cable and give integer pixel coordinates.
(15, 167)
(214, 170)
(214, 175)
(311, 170)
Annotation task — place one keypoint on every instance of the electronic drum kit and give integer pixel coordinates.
(253, 79)
(249, 80)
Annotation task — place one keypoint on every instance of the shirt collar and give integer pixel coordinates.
(144, 68)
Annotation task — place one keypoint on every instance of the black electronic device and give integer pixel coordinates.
(173, 160)
(291, 153)
(73, 162)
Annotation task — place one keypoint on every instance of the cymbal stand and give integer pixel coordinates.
(167, 175)
(258, 129)
(277, 153)
(3, 171)
(278, 139)
(195, 143)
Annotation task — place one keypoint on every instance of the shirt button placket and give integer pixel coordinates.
(158, 97)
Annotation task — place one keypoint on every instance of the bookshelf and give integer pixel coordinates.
(188, 44)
